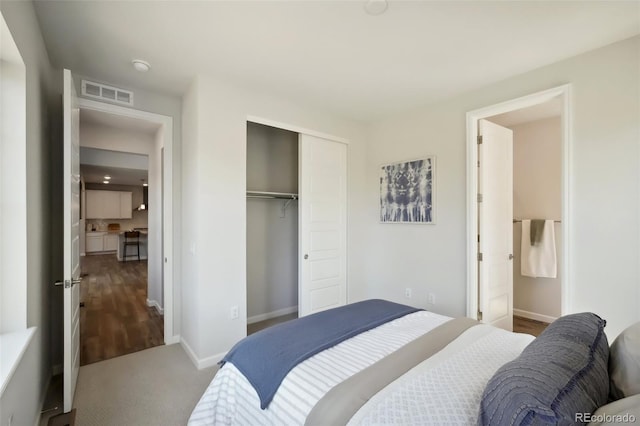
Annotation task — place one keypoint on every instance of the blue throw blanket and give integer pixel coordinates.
(266, 357)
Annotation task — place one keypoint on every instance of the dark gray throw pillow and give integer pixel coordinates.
(558, 377)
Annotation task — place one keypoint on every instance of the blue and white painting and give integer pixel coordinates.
(407, 192)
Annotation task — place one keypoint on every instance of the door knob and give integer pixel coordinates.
(306, 256)
(68, 283)
(510, 256)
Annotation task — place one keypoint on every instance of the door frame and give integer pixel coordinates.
(302, 130)
(472, 118)
(166, 124)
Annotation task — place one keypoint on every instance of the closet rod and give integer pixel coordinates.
(272, 195)
(520, 220)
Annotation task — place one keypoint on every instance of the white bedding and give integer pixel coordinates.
(445, 389)
(471, 359)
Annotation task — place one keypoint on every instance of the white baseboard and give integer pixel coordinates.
(534, 316)
(274, 314)
(201, 363)
(154, 303)
(172, 340)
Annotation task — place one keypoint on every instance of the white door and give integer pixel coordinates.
(322, 224)
(71, 238)
(495, 225)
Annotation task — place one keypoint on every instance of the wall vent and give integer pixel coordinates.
(107, 93)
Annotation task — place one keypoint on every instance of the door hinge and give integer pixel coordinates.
(479, 198)
(479, 257)
(479, 139)
(479, 315)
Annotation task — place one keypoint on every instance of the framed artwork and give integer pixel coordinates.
(407, 191)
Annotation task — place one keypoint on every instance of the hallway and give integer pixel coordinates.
(115, 319)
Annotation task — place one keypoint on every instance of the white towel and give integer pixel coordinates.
(538, 260)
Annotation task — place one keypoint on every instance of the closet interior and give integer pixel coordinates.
(272, 225)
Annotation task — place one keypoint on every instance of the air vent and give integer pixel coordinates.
(108, 93)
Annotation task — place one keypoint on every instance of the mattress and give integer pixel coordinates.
(445, 388)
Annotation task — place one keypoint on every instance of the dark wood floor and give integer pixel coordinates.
(529, 326)
(115, 319)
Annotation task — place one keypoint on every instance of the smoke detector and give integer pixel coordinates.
(140, 65)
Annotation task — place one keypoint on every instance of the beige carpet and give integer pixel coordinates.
(157, 386)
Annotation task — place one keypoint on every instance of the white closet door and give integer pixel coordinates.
(322, 224)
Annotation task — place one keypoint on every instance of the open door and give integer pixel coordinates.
(495, 225)
(71, 217)
(322, 224)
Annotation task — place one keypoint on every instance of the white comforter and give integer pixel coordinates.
(445, 389)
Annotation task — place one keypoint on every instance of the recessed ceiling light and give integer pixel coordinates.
(107, 177)
(105, 181)
(375, 7)
(140, 65)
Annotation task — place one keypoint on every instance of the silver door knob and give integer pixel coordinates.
(510, 256)
(306, 256)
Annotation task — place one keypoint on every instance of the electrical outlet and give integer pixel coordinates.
(431, 298)
(234, 312)
(408, 293)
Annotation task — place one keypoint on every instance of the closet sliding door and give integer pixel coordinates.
(322, 224)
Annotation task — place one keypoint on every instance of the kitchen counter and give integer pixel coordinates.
(131, 250)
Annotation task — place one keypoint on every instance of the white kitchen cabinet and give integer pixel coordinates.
(126, 208)
(95, 242)
(110, 242)
(111, 204)
(108, 204)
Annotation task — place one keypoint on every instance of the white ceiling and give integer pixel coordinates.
(119, 175)
(329, 54)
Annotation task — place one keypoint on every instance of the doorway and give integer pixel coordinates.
(530, 117)
(121, 308)
(160, 220)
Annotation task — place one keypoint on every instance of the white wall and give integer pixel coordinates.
(604, 188)
(24, 394)
(214, 219)
(272, 240)
(537, 194)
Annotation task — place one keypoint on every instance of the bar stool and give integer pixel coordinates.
(131, 238)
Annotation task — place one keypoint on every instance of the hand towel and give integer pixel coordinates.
(537, 226)
(538, 260)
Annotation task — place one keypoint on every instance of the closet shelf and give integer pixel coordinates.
(272, 195)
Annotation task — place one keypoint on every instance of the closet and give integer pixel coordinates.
(296, 223)
(272, 222)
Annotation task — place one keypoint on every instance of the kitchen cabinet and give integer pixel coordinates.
(95, 242)
(126, 208)
(108, 204)
(110, 242)
(101, 241)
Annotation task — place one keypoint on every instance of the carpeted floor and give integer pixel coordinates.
(158, 386)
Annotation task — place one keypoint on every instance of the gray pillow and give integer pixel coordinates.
(624, 363)
(560, 374)
(625, 410)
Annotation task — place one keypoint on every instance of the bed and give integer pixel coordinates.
(417, 367)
